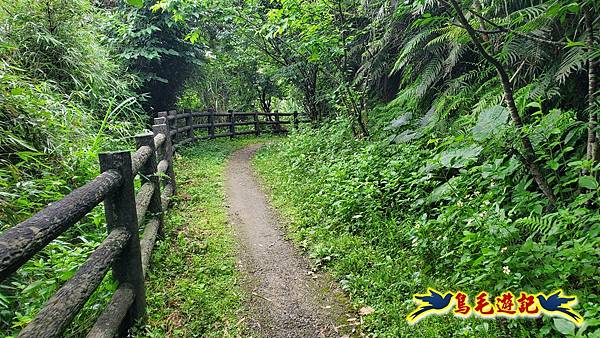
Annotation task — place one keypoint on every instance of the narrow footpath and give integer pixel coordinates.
(287, 299)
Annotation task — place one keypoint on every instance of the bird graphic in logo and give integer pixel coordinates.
(433, 302)
(560, 304)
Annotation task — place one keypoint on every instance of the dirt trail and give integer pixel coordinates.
(287, 298)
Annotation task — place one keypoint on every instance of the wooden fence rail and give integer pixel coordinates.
(184, 125)
(122, 251)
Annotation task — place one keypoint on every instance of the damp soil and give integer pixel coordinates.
(286, 298)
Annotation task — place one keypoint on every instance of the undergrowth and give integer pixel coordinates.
(64, 97)
(389, 220)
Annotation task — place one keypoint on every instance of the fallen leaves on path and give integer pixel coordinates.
(366, 310)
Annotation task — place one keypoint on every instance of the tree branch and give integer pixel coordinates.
(592, 148)
(529, 156)
(508, 30)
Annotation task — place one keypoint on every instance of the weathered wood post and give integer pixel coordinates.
(167, 152)
(160, 152)
(160, 120)
(231, 119)
(277, 123)
(189, 124)
(173, 125)
(211, 127)
(148, 174)
(120, 210)
(256, 124)
(296, 122)
(161, 114)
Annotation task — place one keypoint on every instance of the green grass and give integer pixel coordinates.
(192, 286)
(365, 273)
(355, 209)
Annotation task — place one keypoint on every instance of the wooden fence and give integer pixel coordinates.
(123, 250)
(184, 125)
(126, 211)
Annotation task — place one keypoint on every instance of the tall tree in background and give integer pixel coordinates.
(157, 48)
(529, 157)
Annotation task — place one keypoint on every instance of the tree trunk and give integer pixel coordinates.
(309, 84)
(529, 156)
(592, 137)
(265, 102)
(477, 8)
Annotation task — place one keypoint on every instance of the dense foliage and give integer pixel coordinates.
(64, 97)
(455, 142)
(392, 220)
(467, 157)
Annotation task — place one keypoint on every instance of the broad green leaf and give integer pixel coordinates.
(490, 122)
(588, 182)
(407, 135)
(458, 158)
(403, 120)
(429, 119)
(444, 189)
(136, 3)
(564, 326)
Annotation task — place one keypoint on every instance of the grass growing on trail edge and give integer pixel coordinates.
(360, 210)
(192, 285)
(375, 277)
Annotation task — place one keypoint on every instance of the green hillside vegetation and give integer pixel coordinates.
(453, 144)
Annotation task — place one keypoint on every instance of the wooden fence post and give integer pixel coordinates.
(256, 124)
(163, 118)
(296, 122)
(160, 120)
(277, 123)
(173, 124)
(148, 174)
(120, 210)
(189, 124)
(211, 127)
(160, 152)
(231, 118)
(167, 153)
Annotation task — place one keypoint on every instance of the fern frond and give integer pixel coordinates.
(544, 225)
(454, 56)
(410, 49)
(574, 60)
(431, 73)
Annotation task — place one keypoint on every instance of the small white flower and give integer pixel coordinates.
(503, 249)
(459, 204)
(506, 270)
(469, 221)
(477, 193)
(486, 202)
